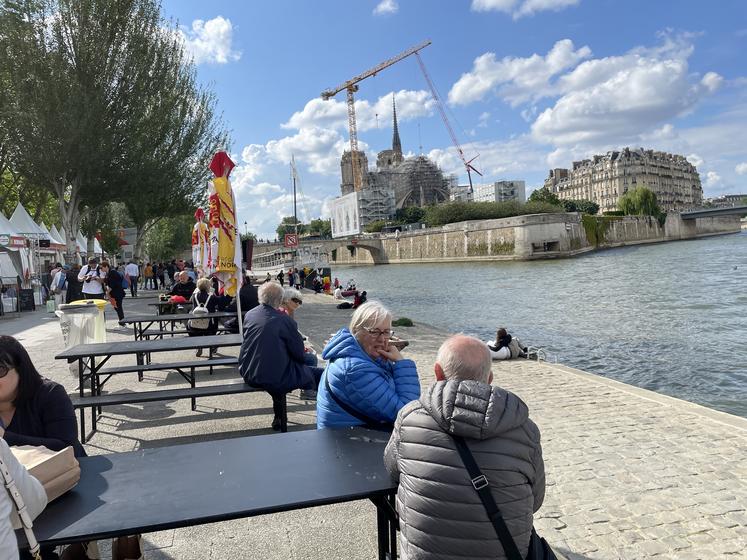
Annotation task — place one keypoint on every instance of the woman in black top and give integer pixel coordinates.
(74, 286)
(33, 410)
(202, 297)
(114, 287)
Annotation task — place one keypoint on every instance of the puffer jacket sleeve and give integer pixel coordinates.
(370, 392)
(538, 484)
(391, 453)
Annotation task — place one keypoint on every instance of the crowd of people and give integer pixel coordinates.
(366, 381)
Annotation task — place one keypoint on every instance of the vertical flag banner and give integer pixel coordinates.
(225, 248)
(200, 243)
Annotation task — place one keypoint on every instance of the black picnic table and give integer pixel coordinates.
(90, 369)
(137, 492)
(144, 322)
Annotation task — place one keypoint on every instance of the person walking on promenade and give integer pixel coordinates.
(367, 380)
(441, 514)
(59, 285)
(132, 271)
(281, 278)
(115, 290)
(148, 275)
(272, 352)
(93, 279)
(74, 286)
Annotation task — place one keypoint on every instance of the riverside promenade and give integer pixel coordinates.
(630, 474)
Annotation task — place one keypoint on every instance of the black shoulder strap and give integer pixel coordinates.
(482, 487)
(367, 420)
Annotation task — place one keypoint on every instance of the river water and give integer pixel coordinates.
(670, 317)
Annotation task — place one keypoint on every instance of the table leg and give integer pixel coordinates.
(382, 529)
(192, 383)
(96, 391)
(139, 358)
(81, 373)
(393, 526)
(284, 414)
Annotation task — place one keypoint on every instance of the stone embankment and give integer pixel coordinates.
(536, 236)
(630, 474)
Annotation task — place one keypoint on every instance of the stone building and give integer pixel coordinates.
(605, 178)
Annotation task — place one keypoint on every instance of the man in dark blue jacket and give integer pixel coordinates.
(272, 353)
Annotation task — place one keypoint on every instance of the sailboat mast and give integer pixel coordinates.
(295, 209)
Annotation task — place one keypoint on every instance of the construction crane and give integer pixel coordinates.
(467, 163)
(351, 87)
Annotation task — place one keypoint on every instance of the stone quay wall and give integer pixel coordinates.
(536, 236)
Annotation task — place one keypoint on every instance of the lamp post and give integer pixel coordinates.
(246, 229)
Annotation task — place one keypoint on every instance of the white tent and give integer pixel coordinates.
(55, 233)
(82, 243)
(26, 226)
(55, 240)
(14, 256)
(97, 247)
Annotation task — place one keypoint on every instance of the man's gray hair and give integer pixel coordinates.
(368, 315)
(290, 293)
(270, 293)
(465, 358)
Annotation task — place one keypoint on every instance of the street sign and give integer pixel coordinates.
(291, 240)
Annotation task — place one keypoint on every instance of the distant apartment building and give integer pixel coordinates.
(461, 193)
(500, 191)
(728, 200)
(605, 178)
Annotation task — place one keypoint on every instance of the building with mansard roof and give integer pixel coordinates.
(605, 178)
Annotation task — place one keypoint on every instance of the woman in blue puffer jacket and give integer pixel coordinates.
(366, 380)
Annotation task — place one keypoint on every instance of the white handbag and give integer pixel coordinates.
(23, 513)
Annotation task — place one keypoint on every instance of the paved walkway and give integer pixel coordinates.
(631, 474)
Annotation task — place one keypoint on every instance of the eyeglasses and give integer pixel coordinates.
(296, 300)
(4, 369)
(376, 333)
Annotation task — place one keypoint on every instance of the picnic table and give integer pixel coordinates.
(137, 492)
(91, 359)
(161, 305)
(166, 323)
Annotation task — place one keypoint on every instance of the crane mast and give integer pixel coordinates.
(351, 87)
(467, 164)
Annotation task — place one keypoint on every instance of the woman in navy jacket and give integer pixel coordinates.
(367, 380)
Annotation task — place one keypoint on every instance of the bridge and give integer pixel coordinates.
(371, 244)
(713, 212)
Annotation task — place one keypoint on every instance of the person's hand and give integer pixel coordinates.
(392, 354)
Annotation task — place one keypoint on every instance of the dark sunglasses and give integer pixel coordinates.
(296, 300)
(4, 370)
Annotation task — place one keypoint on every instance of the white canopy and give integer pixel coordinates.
(26, 226)
(11, 239)
(82, 243)
(55, 233)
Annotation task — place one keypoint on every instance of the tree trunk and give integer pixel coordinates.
(70, 214)
(141, 231)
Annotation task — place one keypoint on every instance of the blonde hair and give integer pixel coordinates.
(464, 358)
(203, 284)
(368, 315)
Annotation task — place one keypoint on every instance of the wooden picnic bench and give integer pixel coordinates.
(143, 325)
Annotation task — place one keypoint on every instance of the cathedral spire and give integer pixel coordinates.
(396, 144)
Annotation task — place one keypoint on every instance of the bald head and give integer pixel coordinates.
(464, 358)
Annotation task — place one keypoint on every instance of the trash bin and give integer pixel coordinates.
(82, 322)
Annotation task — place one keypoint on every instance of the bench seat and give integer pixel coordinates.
(149, 333)
(228, 361)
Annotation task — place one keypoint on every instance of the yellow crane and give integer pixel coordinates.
(351, 86)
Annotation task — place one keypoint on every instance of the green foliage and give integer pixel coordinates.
(39, 202)
(169, 237)
(375, 227)
(583, 206)
(403, 322)
(596, 227)
(613, 213)
(322, 228)
(452, 212)
(639, 201)
(544, 195)
(287, 226)
(410, 215)
(248, 235)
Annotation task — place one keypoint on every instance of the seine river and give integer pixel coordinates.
(670, 317)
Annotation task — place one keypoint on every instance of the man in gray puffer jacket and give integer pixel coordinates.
(441, 515)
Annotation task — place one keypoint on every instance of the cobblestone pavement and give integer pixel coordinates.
(631, 474)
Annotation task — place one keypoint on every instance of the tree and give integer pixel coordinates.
(583, 206)
(39, 202)
(287, 226)
(322, 228)
(374, 227)
(640, 201)
(169, 237)
(410, 215)
(544, 195)
(99, 97)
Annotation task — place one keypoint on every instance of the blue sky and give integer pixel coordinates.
(528, 85)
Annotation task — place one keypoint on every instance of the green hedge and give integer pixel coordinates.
(452, 212)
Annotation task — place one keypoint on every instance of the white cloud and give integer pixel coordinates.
(617, 98)
(514, 79)
(482, 120)
(333, 114)
(319, 148)
(210, 41)
(386, 7)
(695, 159)
(519, 8)
(741, 168)
(712, 179)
